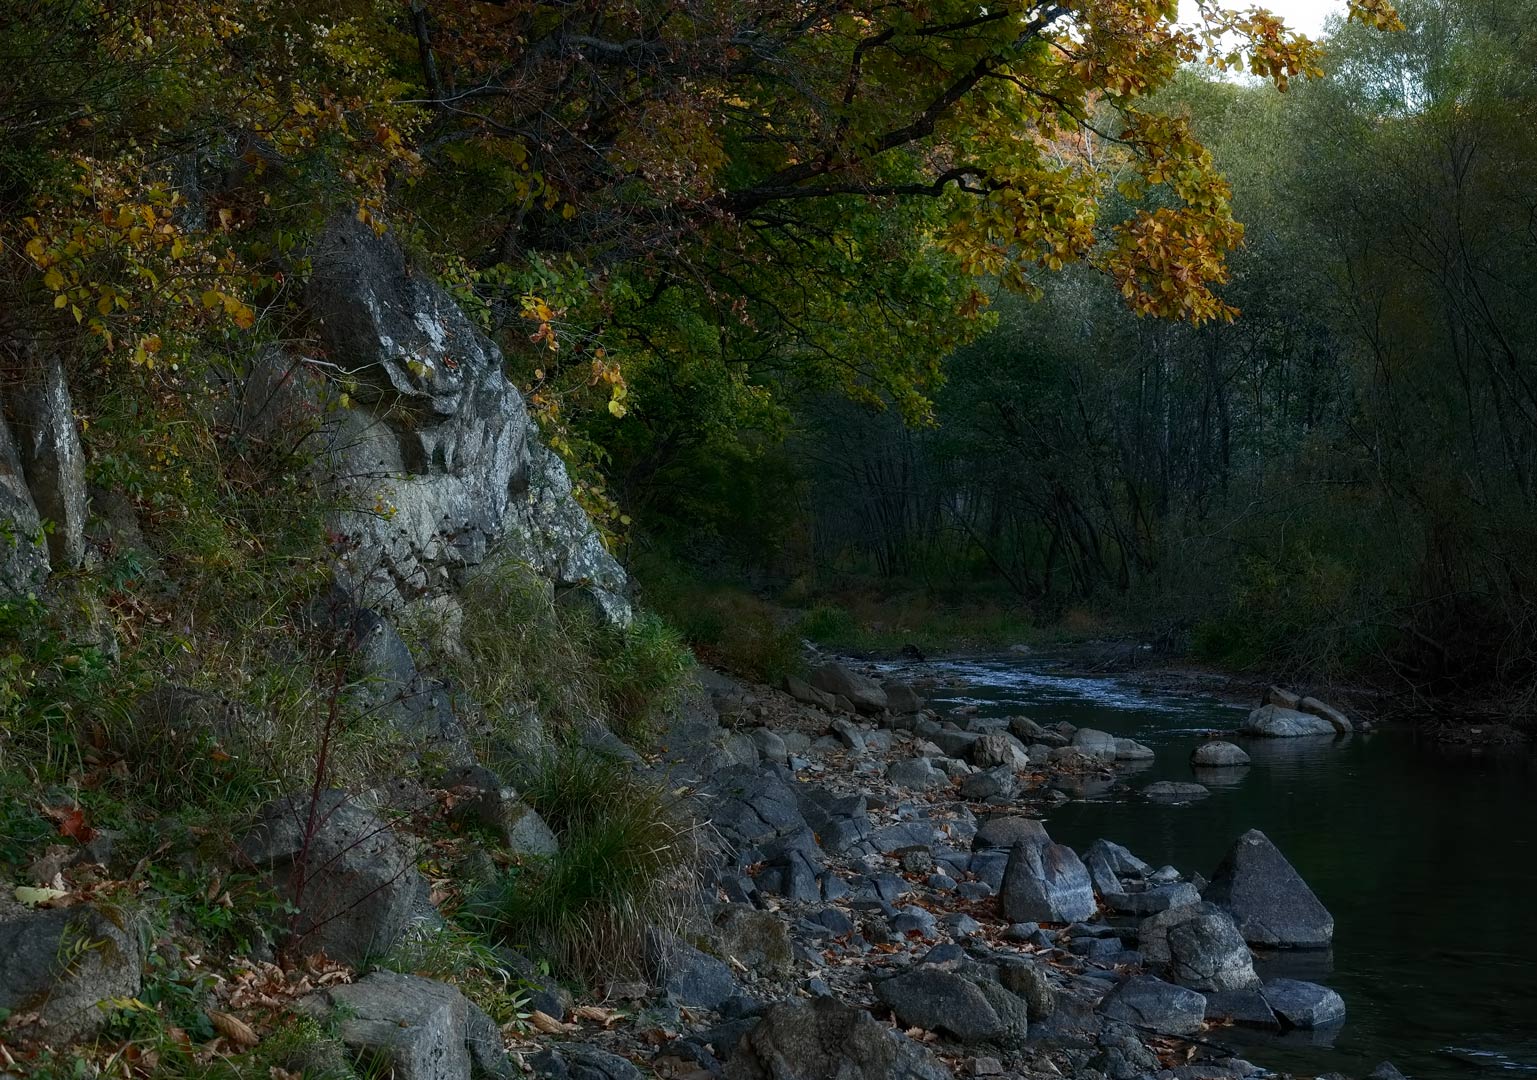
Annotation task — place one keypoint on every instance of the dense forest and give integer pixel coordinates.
(479, 478)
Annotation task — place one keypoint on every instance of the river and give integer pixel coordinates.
(1426, 855)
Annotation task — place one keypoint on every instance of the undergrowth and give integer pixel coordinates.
(525, 654)
(626, 860)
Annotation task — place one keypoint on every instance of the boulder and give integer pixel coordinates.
(1005, 832)
(689, 977)
(1153, 931)
(1029, 981)
(1208, 953)
(865, 693)
(901, 698)
(1274, 722)
(916, 773)
(1322, 709)
(807, 694)
(996, 783)
(412, 1027)
(748, 806)
(826, 1038)
(941, 1001)
(56, 965)
(1218, 755)
(954, 742)
(1045, 883)
(1149, 1002)
(759, 940)
(1131, 750)
(1119, 860)
(354, 884)
(771, 746)
(1272, 905)
(575, 1062)
(1094, 743)
(1134, 900)
(1303, 1004)
(1281, 698)
(998, 748)
(484, 801)
(1246, 1007)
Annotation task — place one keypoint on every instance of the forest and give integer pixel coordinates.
(590, 540)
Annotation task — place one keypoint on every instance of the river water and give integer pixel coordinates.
(1425, 855)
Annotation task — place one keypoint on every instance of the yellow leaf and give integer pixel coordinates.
(54, 280)
(617, 408)
(32, 897)
(211, 299)
(36, 247)
(60, 300)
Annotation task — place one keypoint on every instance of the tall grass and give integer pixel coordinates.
(525, 655)
(627, 858)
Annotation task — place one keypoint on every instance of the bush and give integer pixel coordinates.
(626, 864)
(640, 672)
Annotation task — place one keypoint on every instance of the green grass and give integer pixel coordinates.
(525, 655)
(627, 857)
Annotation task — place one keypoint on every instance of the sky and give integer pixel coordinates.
(1305, 15)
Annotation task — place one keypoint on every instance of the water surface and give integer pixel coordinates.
(1425, 855)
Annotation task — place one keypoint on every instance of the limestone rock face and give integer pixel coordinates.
(439, 438)
(48, 443)
(23, 556)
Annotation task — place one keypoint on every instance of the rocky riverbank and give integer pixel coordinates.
(886, 901)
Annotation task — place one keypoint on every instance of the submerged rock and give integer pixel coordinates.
(1272, 905)
(1175, 791)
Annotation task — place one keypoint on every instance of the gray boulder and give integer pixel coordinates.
(1153, 931)
(1094, 743)
(354, 884)
(1119, 860)
(416, 1028)
(998, 748)
(1148, 1002)
(1303, 1004)
(1208, 953)
(1322, 709)
(941, 1001)
(1029, 981)
(825, 1038)
(56, 965)
(1000, 782)
(837, 680)
(759, 940)
(1151, 900)
(1131, 750)
(1005, 832)
(1246, 1007)
(771, 747)
(807, 694)
(901, 698)
(690, 977)
(1045, 883)
(1218, 755)
(1272, 905)
(575, 1062)
(1274, 722)
(916, 773)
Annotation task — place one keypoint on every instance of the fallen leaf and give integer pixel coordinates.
(32, 897)
(546, 1023)
(233, 1028)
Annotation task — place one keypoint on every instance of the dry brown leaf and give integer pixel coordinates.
(546, 1023)
(596, 1014)
(233, 1028)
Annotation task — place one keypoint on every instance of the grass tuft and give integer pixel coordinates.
(626, 864)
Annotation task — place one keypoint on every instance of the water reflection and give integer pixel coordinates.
(1426, 856)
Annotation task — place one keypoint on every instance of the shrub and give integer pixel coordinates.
(626, 863)
(640, 673)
